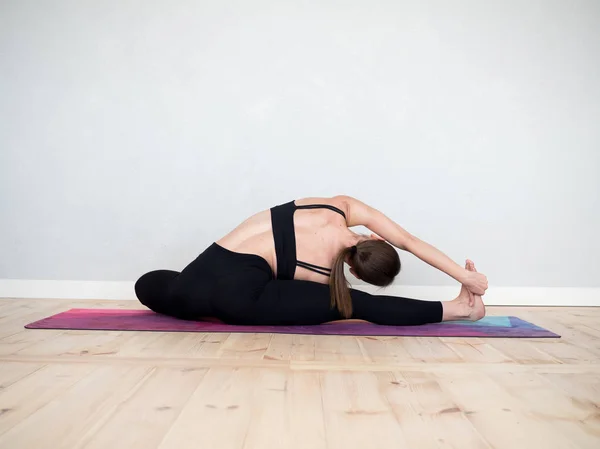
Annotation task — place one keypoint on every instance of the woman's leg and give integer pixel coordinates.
(152, 289)
(306, 303)
(179, 295)
(184, 295)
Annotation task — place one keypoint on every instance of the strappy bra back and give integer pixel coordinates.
(284, 235)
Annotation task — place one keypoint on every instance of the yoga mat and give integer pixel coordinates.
(144, 320)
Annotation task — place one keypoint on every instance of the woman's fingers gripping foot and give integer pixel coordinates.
(478, 308)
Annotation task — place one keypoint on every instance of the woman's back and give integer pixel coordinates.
(320, 234)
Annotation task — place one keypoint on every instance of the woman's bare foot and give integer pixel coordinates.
(466, 306)
(478, 311)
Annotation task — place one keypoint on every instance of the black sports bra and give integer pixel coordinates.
(282, 221)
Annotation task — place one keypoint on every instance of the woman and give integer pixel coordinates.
(285, 266)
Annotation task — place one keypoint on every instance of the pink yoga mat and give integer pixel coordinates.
(144, 320)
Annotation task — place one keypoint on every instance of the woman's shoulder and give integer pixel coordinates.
(339, 201)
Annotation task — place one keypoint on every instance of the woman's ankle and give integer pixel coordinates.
(451, 310)
(459, 309)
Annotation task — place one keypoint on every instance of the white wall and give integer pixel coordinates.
(133, 134)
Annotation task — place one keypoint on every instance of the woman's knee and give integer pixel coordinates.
(142, 286)
(152, 288)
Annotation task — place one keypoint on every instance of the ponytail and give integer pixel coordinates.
(338, 284)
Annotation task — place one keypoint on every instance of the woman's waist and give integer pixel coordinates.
(228, 255)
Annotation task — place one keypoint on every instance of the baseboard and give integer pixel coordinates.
(25, 288)
(505, 296)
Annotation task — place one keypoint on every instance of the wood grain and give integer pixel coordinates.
(87, 389)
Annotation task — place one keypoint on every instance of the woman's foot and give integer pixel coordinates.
(478, 311)
(466, 306)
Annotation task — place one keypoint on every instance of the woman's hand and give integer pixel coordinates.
(475, 282)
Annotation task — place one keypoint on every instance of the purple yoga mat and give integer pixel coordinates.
(144, 320)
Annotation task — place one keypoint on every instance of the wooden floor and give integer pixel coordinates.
(110, 390)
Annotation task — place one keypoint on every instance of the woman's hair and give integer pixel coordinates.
(374, 261)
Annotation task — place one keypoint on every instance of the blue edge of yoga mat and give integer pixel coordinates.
(144, 320)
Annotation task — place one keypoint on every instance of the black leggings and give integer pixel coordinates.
(240, 289)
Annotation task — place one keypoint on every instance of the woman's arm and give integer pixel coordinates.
(360, 214)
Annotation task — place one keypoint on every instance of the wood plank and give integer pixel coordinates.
(429, 350)
(574, 342)
(444, 422)
(476, 350)
(356, 415)
(209, 347)
(218, 413)
(270, 424)
(11, 372)
(136, 345)
(522, 352)
(79, 402)
(32, 392)
(583, 390)
(338, 347)
(171, 344)
(545, 403)
(499, 416)
(77, 342)
(245, 346)
(305, 412)
(385, 350)
(148, 413)
(303, 347)
(397, 392)
(281, 347)
(24, 338)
